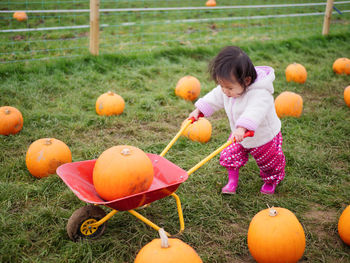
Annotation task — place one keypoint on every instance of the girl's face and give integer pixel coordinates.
(232, 88)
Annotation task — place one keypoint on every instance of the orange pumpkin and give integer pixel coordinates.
(188, 88)
(20, 16)
(11, 120)
(347, 95)
(210, 3)
(342, 66)
(45, 155)
(121, 171)
(198, 131)
(276, 236)
(109, 104)
(289, 104)
(344, 225)
(167, 250)
(296, 72)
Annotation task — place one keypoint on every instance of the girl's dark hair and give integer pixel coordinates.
(232, 61)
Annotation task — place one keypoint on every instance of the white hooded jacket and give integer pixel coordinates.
(254, 110)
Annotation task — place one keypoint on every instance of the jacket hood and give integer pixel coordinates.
(265, 77)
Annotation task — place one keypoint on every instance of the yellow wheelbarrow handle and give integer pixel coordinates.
(183, 128)
(171, 143)
(210, 156)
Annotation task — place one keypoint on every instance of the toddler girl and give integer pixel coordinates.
(245, 92)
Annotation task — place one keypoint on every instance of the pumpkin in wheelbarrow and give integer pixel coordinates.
(122, 171)
(164, 250)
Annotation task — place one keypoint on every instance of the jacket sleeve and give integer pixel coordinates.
(258, 103)
(211, 102)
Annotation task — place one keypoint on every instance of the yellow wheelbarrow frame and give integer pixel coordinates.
(89, 220)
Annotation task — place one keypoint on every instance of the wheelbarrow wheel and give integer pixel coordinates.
(78, 224)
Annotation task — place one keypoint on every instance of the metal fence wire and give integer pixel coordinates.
(56, 29)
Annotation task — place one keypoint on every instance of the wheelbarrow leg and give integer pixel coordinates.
(179, 211)
(154, 226)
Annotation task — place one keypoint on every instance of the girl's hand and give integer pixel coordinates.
(238, 134)
(194, 114)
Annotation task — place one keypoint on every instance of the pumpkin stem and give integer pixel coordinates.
(125, 151)
(111, 93)
(7, 111)
(48, 142)
(163, 238)
(272, 212)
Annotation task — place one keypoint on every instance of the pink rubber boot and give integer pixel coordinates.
(268, 188)
(231, 186)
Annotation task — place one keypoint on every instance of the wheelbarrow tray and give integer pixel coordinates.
(167, 178)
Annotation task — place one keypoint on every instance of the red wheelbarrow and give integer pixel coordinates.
(90, 221)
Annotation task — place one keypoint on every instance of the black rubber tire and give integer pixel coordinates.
(79, 217)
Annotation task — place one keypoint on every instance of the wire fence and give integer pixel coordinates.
(57, 29)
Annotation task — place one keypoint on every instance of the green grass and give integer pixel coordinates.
(57, 99)
(143, 31)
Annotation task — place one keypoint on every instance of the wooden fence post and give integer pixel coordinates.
(94, 26)
(327, 17)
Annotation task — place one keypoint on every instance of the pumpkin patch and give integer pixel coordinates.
(296, 72)
(109, 104)
(289, 104)
(45, 155)
(121, 171)
(144, 48)
(276, 236)
(11, 120)
(188, 88)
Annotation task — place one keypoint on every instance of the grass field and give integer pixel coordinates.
(140, 31)
(57, 99)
